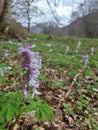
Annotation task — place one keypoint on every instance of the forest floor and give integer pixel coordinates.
(68, 86)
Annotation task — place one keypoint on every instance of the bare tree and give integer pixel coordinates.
(88, 7)
(29, 9)
(26, 9)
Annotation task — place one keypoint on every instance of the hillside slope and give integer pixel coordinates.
(68, 83)
(86, 26)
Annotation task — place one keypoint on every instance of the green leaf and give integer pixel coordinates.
(44, 111)
(15, 109)
(68, 108)
(90, 73)
(3, 65)
(4, 109)
(45, 115)
(57, 84)
(10, 113)
(2, 126)
(80, 103)
(36, 128)
(38, 114)
(1, 79)
(3, 113)
(43, 77)
(30, 107)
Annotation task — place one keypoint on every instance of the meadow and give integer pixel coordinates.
(68, 85)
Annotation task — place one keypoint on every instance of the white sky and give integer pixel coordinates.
(63, 11)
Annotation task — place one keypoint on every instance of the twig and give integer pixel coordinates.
(55, 97)
(72, 85)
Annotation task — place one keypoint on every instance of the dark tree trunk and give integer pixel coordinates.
(5, 9)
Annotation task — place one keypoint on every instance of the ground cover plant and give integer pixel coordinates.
(68, 83)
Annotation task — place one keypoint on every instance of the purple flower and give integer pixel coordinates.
(34, 73)
(5, 54)
(31, 64)
(67, 49)
(92, 49)
(26, 48)
(79, 44)
(34, 82)
(35, 91)
(85, 60)
(26, 66)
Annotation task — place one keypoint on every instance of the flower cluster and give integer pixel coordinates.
(79, 44)
(31, 64)
(5, 54)
(67, 49)
(92, 49)
(85, 60)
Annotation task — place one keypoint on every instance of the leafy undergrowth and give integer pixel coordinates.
(69, 88)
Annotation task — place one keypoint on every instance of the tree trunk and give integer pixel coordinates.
(5, 9)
